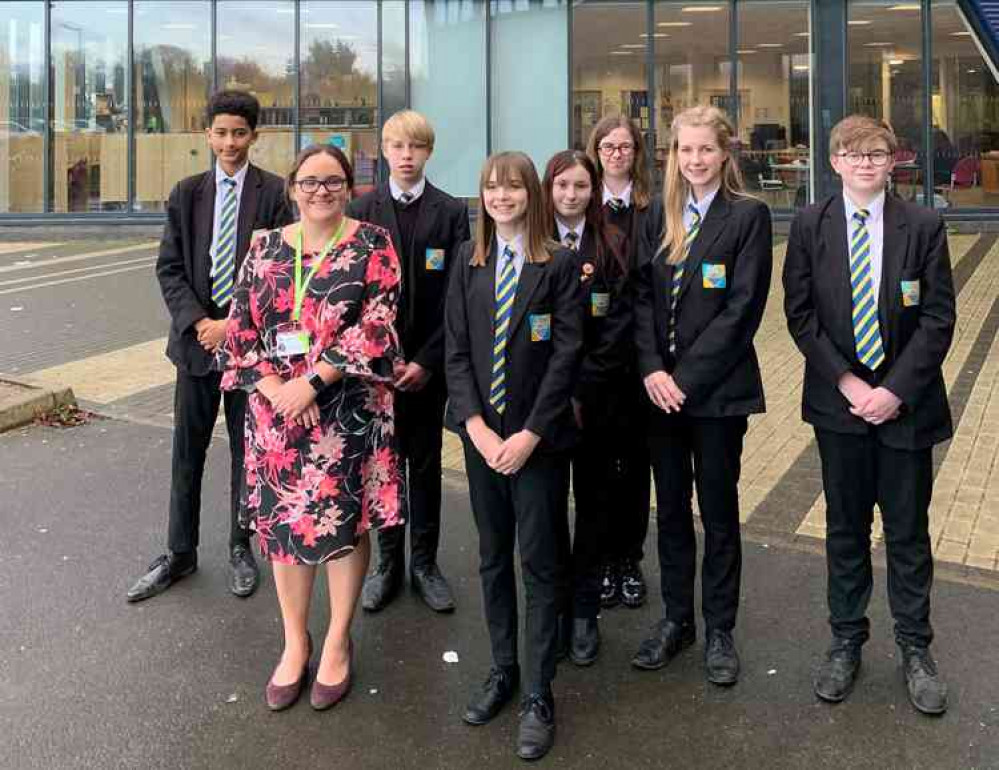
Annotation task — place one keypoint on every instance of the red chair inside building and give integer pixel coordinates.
(964, 174)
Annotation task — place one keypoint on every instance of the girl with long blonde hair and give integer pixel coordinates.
(699, 299)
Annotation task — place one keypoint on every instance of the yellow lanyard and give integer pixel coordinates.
(300, 287)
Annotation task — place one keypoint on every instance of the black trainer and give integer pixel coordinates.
(633, 590)
(610, 586)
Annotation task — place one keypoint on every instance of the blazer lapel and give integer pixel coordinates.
(204, 223)
(530, 277)
(385, 216)
(711, 228)
(893, 251)
(835, 264)
(429, 203)
(481, 308)
(247, 212)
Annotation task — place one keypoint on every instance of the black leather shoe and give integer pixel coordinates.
(536, 735)
(495, 693)
(667, 641)
(431, 586)
(838, 672)
(610, 586)
(381, 586)
(633, 590)
(162, 573)
(721, 661)
(244, 576)
(585, 641)
(927, 691)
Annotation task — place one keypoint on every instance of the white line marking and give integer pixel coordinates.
(17, 289)
(144, 260)
(149, 245)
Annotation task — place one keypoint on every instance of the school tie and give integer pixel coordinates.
(225, 247)
(405, 199)
(506, 288)
(571, 240)
(674, 291)
(617, 205)
(866, 333)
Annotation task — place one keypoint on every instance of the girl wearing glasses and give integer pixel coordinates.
(603, 403)
(311, 336)
(617, 149)
(699, 300)
(513, 336)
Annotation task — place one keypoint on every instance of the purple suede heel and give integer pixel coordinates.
(325, 696)
(283, 696)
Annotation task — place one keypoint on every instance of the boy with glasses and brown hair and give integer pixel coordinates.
(869, 299)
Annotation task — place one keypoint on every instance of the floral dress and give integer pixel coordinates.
(311, 492)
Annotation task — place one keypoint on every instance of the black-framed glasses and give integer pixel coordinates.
(876, 157)
(311, 185)
(607, 148)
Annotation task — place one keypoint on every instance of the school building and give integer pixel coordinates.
(102, 101)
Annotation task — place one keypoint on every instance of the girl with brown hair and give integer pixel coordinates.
(513, 334)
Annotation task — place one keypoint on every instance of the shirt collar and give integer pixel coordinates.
(416, 190)
(704, 203)
(563, 229)
(517, 244)
(239, 176)
(875, 208)
(624, 196)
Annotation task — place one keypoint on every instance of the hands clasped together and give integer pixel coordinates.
(873, 405)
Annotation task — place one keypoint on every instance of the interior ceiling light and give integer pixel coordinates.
(904, 7)
(701, 8)
(675, 24)
(896, 62)
(960, 34)
(877, 44)
(769, 45)
(802, 34)
(744, 53)
(654, 34)
(859, 22)
(632, 45)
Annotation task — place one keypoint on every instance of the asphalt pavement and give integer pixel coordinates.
(88, 681)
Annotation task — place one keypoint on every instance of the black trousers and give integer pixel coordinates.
(857, 473)
(195, 407)
(706, 451)
(610, 483)
(532, 507)
(419, 422)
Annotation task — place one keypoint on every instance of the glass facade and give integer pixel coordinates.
(102, 101)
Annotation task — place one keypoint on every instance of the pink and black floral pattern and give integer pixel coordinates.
(310, 493)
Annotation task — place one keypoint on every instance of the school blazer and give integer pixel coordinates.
(540, 373)
(633, 226)
(606, 385)
(184, 264)
(442, 224)
(916, 336)
(723, 294)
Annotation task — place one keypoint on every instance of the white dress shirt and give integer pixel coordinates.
(415, 191)
(625, 195)
(702, 207)
(517, 244)
(563, 229)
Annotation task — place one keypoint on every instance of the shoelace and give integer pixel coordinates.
(538, 704)
(920, 662)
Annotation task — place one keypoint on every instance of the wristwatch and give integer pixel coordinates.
(317, 382)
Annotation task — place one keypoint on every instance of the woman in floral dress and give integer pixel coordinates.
(311, 336)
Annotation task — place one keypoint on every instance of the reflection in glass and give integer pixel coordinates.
(90, 79)
(692, 65)
(22, 107)
(774, 125)
(885, 48)
(965, 103)
(447, 62)
(609, 75)
(393, 92)
(340, 82)
(529, 54)
(256, 53)
(172, 82)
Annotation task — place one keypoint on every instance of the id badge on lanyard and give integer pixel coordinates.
(291, 339)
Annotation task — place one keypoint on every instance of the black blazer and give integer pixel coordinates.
(631, 225)
(606, 386)
(715, 363)
(442, 224)
(184, 263)
(819, 305)
(540, 374)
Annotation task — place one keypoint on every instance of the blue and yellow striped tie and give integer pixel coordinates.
(506, 289)
(674, 292)
(866, 332)
(225, 247)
